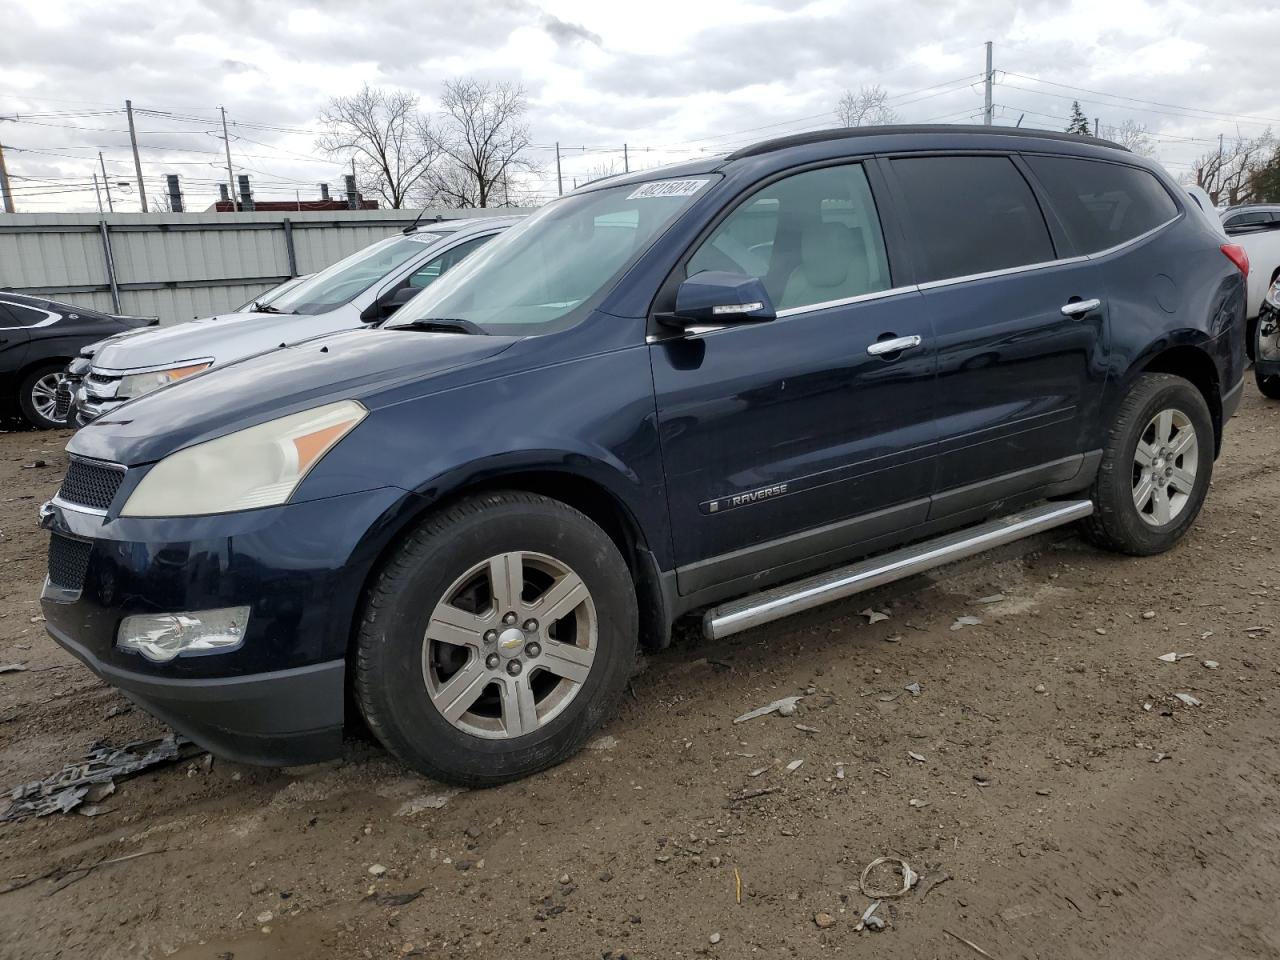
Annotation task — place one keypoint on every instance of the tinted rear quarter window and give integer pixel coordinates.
(1102, 204)
(971, 215)
(16, 315)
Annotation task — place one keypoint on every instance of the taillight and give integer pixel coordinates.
(1235, 253)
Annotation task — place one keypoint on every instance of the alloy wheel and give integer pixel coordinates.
(1165, 462)
(44, 395)
(510, 645)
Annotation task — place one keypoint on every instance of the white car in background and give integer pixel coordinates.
(1256, 227)
(366, 287)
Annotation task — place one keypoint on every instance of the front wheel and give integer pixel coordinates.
(38, 397)
(1156, 465)
(496, 640)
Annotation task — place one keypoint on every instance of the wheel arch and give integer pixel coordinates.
(1195, 365)
(585, 492)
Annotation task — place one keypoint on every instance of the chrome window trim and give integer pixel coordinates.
(49, 316)
(845, 301)
(1005, 272)
(1135, 240)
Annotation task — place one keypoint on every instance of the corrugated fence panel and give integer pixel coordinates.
(180, 266)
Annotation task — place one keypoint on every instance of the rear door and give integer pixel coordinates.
(1020, 327)
(785, 442)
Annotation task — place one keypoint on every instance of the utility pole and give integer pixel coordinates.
(986, 113)
(1097, 127)
(106, 184)
(559, 178)
(4, 184)
(96, 192)
(626, 163)
(231, 177)
(137, 164)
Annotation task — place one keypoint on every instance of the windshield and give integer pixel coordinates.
(532, 279)
(348, 278)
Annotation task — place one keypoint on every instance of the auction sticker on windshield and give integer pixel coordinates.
(666, 188)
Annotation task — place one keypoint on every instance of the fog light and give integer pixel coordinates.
(163, 636)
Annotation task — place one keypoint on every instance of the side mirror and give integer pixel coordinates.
(716, 297)
(381, 309)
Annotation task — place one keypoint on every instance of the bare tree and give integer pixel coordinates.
(1227, 174)
(389, 138)
(1131, 135)
(868, 107)
(483, 143)
(606, 168)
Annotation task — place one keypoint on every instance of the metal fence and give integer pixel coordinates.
(177, 266)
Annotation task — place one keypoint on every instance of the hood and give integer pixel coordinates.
(223, 338)
(358, 364)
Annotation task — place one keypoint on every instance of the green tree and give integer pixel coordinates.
(1079, 122)
(1264, 180)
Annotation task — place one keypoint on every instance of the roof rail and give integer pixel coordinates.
(841, 133)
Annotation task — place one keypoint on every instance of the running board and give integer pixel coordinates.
(789, 598)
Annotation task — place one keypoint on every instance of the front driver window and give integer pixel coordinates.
(436, 267)
(812, 238)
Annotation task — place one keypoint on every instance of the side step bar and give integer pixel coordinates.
(782, 601)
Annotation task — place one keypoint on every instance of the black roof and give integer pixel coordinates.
(841, 133)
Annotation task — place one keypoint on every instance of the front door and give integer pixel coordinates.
(786, 442)
(1020, 329)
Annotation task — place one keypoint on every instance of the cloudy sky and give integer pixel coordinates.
(669, 79)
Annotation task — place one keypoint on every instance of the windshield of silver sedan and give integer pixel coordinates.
(534, 277)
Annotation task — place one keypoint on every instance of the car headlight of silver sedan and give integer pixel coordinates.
(1273, 295)
(136, 384)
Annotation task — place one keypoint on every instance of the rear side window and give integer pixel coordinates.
(812, 238)
(971, 215)
(16, 315)
(1102, 204)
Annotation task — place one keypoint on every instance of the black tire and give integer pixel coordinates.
(390, 678)
(28, 401)
(1269, 385)
(1116, 523)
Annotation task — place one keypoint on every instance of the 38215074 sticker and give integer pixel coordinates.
(666, 188)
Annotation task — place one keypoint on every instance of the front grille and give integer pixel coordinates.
(90, 484)
(62, 401)
(68, 561)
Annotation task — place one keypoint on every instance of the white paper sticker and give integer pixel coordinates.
(666, 188)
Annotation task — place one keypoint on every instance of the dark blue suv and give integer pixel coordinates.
(747, 385)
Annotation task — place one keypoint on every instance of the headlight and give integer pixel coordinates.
(257, 467)
(136, 384)
(1273, 295)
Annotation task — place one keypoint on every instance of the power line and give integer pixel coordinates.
(1220, 114)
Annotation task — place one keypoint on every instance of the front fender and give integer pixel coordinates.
(592, 419)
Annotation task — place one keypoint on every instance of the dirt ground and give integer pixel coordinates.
(1078, 808)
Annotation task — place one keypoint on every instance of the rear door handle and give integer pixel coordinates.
(896, 345)
(1078, 308)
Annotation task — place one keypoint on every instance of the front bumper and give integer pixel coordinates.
(281, 718)
(277, 698)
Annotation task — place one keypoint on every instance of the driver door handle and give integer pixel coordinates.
(896, 345)
(1078, 308)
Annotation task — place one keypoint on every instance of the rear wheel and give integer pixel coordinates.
(38, 397)
(496, 640)
(1156, 466)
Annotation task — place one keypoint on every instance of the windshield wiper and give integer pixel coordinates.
(440, 324)
(265, 308)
